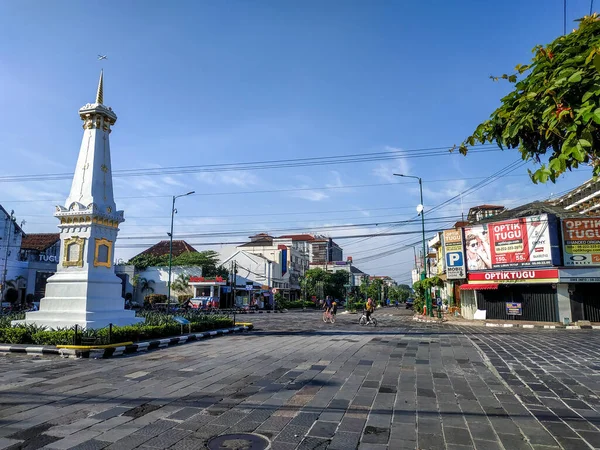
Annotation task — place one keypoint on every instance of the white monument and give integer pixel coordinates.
(85, 290)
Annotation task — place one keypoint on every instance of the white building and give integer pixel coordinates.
(257, 268)
(290, 255)
(10, 243)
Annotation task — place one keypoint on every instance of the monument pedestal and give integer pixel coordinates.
(90, 300)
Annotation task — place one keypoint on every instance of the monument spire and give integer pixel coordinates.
(100, 92)
(84, 290)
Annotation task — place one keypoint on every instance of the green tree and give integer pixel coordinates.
(423, 286)
(208, 260)
(553, 111)
(312, 280)
(319, 283)
(399, 293)
(334, 284)
(141, 262)
(181, 284)
(145, 285)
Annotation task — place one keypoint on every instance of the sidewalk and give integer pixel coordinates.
(454, 320)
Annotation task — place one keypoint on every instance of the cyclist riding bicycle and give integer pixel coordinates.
(370, 308)
(328, 305)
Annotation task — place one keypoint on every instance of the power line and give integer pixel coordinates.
(283, 230)
(263, 165)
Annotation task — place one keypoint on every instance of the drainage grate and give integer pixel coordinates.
(242, 441)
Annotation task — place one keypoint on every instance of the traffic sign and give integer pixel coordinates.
(274, 290)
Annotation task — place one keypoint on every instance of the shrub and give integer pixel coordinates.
(155, 298)
(15, 335)
(157, 326)
(6, 319)
(53, 337)
(182, 298)
(418, 305)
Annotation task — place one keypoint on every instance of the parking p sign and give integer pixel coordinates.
(455, 258)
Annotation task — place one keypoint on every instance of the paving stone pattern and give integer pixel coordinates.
(308, 385)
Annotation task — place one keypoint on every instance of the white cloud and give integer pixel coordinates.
(240, 178)
(312, 195)
(387, 170)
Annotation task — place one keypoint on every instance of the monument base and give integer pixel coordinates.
(85, 319)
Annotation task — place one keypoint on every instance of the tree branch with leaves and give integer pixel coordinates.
(553, 114)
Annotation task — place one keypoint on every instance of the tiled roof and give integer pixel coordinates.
(299, 237)
(356, 270)
(39, 241)
(162, 249)
(529, 209)
(461, 223)
(258, 243)
(487, 207)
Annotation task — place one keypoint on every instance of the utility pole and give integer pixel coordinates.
(234, 283)
(421, 211)
(173, 211)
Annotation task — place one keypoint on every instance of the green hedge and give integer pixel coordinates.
(295, 304)
(155, 328)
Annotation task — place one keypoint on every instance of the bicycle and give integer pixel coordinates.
(328, 317)
(363, 319)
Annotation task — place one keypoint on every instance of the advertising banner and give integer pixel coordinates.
(515, 276)
(455, 257)
(519, 242)
(514, 309)
(581, 242)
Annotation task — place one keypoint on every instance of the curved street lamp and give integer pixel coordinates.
(173, 211)
(421, 212)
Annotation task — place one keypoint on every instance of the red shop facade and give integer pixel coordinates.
(532, 293)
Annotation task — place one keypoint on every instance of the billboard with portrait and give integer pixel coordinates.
(521, 242)
(581, 241)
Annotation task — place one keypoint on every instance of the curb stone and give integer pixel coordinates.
(510, 325)
(104, 353)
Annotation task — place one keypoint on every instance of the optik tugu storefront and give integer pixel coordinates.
(565, 294)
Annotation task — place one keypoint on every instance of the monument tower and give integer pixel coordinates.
(85, 290)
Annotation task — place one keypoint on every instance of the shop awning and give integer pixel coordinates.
(478, 287)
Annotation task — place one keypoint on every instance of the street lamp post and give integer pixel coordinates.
(173, 211)
(421, 211)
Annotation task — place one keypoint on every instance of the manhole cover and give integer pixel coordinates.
(242, 441)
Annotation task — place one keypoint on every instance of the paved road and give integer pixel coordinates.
(308, 385)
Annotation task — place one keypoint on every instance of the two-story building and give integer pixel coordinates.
(40, 252)
(291, 256)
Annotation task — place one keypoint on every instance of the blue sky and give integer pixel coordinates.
(198, 83)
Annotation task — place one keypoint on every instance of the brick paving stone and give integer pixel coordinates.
(453, 435)
(8, 443)
(91, 445)
(167, 439)
(282, 446)
(292, 434)
(313, 443)
(344, 441)
(190, 444)
(323, 429)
